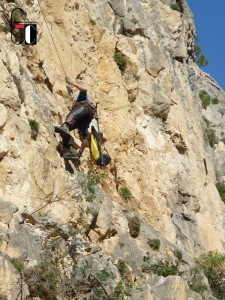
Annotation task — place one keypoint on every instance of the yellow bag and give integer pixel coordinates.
(99, 153)
(94, 147)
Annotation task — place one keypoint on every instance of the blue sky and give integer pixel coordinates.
(209, 16)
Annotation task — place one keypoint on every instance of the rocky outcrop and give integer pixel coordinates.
(155, 130)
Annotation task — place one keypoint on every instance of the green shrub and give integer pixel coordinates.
(205, 98)
(154, 243)
(105, 275)
(125, 193)
(93, 22)
(161, 269)
(43, 280)
(34, 126)
(90, 189)
(221, 189)
(147, 257)
(211, 134)
(178, 254)
(215, 100)
(213, 264)
(207, 121)
(175, 6)
(121, 290)
(122, 267)
(94, 177)
(97, 176)
(121, 61)
(197, 282)
(17, 263)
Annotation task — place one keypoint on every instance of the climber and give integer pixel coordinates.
(79, 118)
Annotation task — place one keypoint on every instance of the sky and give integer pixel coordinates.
(209, 16)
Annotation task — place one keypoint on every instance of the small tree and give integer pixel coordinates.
(200, 58)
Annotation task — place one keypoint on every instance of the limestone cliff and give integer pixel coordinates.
(156, 131)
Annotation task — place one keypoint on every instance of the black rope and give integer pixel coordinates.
(51, 37)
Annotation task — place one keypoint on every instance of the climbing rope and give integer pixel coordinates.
(51, 37)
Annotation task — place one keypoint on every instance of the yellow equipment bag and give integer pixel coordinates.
(100, 155)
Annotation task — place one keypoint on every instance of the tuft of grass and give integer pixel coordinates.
(34, 126)
(215, 100)
(122, 267)
(207, 121)
(93, 22)
(43, 280)
(221, 189)
(125, 193)
(178, 254)
(205, 98)
(121, 61)
(105, 275)
(17, 263)
(122, 290)
(211, 134)
(154, 243)
(197, 282)
(97, 176)
(161, 269)
(175, 6)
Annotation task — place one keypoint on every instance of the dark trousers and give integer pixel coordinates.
(78, 118)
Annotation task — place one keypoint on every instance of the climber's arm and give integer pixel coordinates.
(75, 84)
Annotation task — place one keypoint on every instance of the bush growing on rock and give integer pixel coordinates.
(178, 254)
(197, 284)
(211, 134)
(221, 189)
(213, 264)
(207, 99)
(154, 243)
(34, 126)
(175, 6)
(121, 61)
(161, 269)
(125, 193)
(17, 263)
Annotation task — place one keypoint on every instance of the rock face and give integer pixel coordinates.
(167, 149)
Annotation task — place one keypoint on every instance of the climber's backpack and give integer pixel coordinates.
(99, 153)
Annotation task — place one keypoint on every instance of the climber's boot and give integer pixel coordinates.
(63, 129)
(71, 154)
